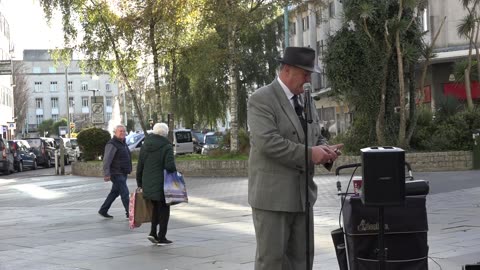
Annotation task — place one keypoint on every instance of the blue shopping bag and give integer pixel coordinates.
(174, 188)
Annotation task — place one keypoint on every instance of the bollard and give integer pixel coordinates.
(476, 149)
(56, 163)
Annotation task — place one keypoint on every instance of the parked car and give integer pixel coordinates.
(23, 155)
(211, 141)
(6, 158)
(44, 150)
(197, 138)
(135, 141)
(182, 141)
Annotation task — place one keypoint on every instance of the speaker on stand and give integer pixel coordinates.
(383, 174)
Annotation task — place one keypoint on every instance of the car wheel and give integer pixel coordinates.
(20, 167)
(34, 167)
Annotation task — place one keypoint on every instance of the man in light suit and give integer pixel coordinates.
(276, 168)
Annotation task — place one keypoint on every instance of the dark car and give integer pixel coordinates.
(45, 151)
(23, 155)
(6, 158)
(197, 141)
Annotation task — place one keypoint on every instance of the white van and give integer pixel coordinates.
(182, 141)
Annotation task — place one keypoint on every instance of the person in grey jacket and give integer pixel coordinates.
(117, 164)
(276, 166)
(156, 155)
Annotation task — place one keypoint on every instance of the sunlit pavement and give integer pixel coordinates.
(51, 222)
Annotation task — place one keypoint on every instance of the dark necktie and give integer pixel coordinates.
(299, 111)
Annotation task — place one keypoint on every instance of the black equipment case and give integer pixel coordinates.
(405, 237)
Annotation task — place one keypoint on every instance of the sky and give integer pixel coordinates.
(29, 28)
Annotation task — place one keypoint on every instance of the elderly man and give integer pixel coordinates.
(276, 168)
(117, 164)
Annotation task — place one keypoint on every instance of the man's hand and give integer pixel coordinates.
(322, 154)
(336, 148)
(106, 178)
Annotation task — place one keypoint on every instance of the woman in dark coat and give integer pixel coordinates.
(156, 155)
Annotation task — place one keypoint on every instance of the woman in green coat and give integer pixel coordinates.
(156, 155)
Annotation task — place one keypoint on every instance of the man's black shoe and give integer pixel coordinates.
(127, 215)
(164, 242)
(105, 215)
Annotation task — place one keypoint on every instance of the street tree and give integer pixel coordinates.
(229, 18)
(469, 28)
(108, 39)
(389, 39)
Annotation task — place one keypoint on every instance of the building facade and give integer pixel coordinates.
(54, 87)
(7, 121)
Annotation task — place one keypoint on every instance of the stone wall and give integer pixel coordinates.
(431, 161)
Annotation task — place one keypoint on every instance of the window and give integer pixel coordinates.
(293, 28)
(52, 70)
(320, 49)
(84, 86)
(39, 119)
(53, 87)
(70, 86)
(305, 23)
(55, 117)
(331, 9)
(39, 103)
(108, 101)
(54, 102)
(71, 102)
(37, 87)
(109, 116)
(107, 87)
(36, 70)
(84, 101)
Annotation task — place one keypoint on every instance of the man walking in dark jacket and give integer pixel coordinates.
(117, 164)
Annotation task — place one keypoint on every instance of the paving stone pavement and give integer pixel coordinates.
(51, 222)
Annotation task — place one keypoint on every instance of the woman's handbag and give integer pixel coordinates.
(139, 210)
(174, 188)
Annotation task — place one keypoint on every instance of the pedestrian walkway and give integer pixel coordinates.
(213, 231)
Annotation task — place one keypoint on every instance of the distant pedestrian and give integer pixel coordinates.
(156, 155)
(117, 164)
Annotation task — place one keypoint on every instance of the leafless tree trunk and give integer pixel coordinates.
(20, 95)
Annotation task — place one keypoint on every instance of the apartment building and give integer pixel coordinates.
(7, 121)
(54, 87)
(310, 25)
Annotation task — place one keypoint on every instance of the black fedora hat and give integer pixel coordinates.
(301, 57)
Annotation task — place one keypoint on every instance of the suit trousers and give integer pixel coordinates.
(281, 240)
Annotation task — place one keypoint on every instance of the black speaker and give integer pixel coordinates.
(383, 174)
(471, 267)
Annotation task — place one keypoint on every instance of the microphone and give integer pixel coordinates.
(307, 87)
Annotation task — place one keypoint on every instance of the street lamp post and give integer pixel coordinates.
(94, 100)
(68, 102)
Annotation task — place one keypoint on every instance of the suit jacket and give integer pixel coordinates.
(276, 166)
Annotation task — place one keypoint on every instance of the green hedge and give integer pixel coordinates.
(92, 141)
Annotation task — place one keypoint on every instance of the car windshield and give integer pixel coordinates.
(35, 143)
(212, 139)
(134, 138)
(198, 136)
(74, 143)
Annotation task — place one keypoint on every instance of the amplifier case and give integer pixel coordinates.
(383, 174)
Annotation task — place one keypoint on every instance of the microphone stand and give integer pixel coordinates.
(308, 120)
